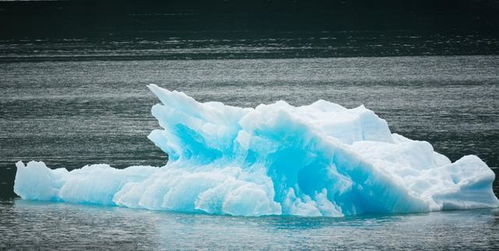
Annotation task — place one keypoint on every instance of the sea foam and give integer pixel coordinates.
(316, 160)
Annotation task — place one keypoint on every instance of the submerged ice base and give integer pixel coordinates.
(316, 160)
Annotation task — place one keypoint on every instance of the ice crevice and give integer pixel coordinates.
(320, 159)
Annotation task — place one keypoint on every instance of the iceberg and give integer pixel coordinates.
(320, 159)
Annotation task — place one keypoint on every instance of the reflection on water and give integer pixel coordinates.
(56, 225)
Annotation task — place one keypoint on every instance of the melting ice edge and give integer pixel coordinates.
(316, 160)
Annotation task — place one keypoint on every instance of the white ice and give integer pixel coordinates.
(316, 160)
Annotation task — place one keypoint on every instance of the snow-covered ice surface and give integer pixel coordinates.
(316, 160)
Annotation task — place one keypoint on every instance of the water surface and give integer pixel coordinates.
(27, 224)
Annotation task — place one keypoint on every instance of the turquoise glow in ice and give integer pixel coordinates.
(315, 160)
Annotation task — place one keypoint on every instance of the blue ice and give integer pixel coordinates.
(320, 159)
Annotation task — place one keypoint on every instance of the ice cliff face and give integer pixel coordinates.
(315, 160)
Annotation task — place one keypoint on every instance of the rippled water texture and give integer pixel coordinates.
(55, 225)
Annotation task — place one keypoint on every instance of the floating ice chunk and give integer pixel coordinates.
(316, 160)
(37, 182)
